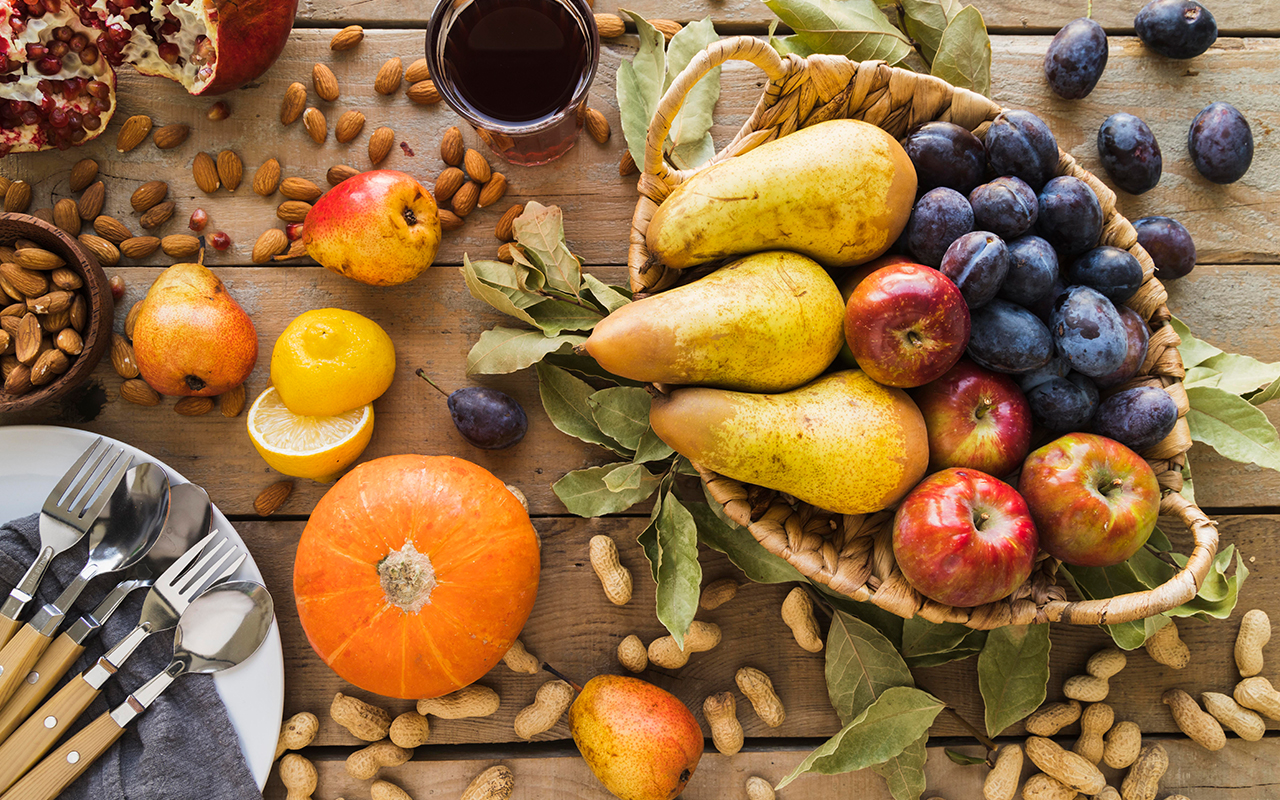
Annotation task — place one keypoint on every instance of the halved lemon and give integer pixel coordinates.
(319, 448)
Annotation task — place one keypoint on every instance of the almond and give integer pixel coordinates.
(133, 132)
(272, 497)
(122, 358)
(464, 200)
(68, 279)
(417, 71)
(597, 125)
(493, 191)
(300, 189)
(325, 82)
(316, 127)
(267, 178)
(67, 216)
(79, 315)
(295, 99)
(205, 172)
(610, 26)
(449, 221)
(180, 245)
(6, 344)
(139, 392)
(148, 195)
(82, 174)
(389, 76)
(49, 365)
(45, 214)
(26, 339)
(424, 93)
(627, 165)
(339, 173)
(452, 150)
(157, 216)
(52, 323)
(230, 170)
(504, 230)
(51, 303)
(194, 406)
(380, 144)
(666, 27)
(91, 201)
(26, 282)
(231, 402)
(349, 126)
(477, 168)
(17, 198)
(4, 185)
(170, 136)
(132, 319)
(38, 258)
(272, 241)
(347, 38)
(293, 211)
(19, 380)
(505, 252)
(139, 246)
(297, 249)
(113, 230)
(447, 184)
(108, 254)
(69, 342)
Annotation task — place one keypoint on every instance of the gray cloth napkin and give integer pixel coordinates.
(183, 746)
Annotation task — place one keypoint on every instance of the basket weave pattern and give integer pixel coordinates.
(853, 554)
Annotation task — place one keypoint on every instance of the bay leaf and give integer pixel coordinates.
(585, 493)
(925, 20)
(1013, 670)
(968, 647)
(626, 477)
(964, 760)
(565, 399)
(622, 413)
(1201, 376)
(1193, 350)
(648, 538)
(587, 367)
(854, 28)
(885, 729)
(904, 773)
(1266, 394)
(887, 623)
(651, 448)
(964, 53)
(640, 82)
(1094, 583)
(862, 664)
(610, 298)
(679, 571)
(1241, 374)
(485, 292)
(1204, 609)
(1232, 426)
(787, 45)
(540, 231)
(921, 637)
(556, 316)
(690, 130)
(744, 552)
(502, 350)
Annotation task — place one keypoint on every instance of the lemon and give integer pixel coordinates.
(319, 448)
(330, 361)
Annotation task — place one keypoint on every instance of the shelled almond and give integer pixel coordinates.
(111, 229)
(230, 170)
(148, 195)
(157, 215)
(452, 149)
(83, 173)
(325, 82)
(349, 126)
(38, 341)
(293, 210)
(168, 137)
(205, 172)
(417, 71)
(380, 144)
(17, 198)
(294, 101)
(493, 190)
(347, 38)
(316, 127)
(133, 132)
(389, 77)
(267, 178)
(89, 206)
(271, 242)
(300, 189)
(339, 173)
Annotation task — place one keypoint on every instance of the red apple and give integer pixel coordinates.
(976, 418)
(849, 280)
(1094, 500)
(906, 324)
(963, 538)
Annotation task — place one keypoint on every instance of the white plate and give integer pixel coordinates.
(33, 458)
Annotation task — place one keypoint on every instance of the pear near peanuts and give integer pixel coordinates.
(839, 192)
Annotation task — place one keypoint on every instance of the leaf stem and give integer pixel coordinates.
(974, 732)
(421, 373)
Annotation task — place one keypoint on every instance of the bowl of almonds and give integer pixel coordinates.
(56, 312)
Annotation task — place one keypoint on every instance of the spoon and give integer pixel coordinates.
(190, 517)
(220, 629)
(119, 538)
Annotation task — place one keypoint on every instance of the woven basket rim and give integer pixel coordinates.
(805, 91)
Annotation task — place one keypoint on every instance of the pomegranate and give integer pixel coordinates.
(57, 57)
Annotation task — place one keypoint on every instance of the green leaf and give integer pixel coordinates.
(611, 298)
(1201, 376)
(1188, 487)
(540, 231)
(964, 760)
(744, 552)
(587, 367)
(925, 20)
(1094, 583)
(862, 664)
(651, 448)
(554, 316)
(1013, 670)
(625, 477)
(1267, 394)
(853, 28)
(1221, 609)
(640, 82)
(787, 45)
(585, 491)
(970, 646)
(648, 538)
(887, 623)
(509, 301)
(1192, 350)
(904, 773)
(1241, 374)
(690, 130)
(565, 399)
(504, 350)
(622, 413)
(893, 722)
(964, 53)
(679, 573)
(1229, 424)
(921, 637)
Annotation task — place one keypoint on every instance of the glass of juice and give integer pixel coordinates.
(517, 70)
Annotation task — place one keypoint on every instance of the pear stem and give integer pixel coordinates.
(422, 374)
(561, 676)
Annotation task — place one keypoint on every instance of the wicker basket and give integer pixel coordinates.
(853, 554)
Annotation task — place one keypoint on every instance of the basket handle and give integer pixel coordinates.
(737, 48)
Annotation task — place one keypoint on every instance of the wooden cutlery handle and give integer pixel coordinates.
(43, 729)
(18, 657)
(68, 762)
(49, 670)
(8, 627)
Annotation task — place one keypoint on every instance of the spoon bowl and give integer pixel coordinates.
(222, 627)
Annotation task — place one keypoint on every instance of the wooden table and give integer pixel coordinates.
(1231, 300)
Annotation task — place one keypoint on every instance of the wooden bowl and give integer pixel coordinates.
(97, 329)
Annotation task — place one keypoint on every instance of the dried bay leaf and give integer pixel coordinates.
(502, 350)
(861, 665)
(1013, 670)
(1233, 426)
(610, 298)
(926, 20)
(585, 491)
(565, 399)
(511, 303)
(1192, 350)
(744, 551)
(640, 82)
(651, 448)
(556, 316)
(690, 130)
(540, 231)
(904, 773)
(921, 637)
(964, 53)
(622, 413)
(678, 571)
(857, 29)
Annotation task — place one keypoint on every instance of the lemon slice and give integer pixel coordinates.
(319, 448)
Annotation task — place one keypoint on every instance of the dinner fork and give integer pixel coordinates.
(65, 518)
(164, 604)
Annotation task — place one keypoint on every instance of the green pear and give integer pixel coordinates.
(840, 192)
(765, 323)
(843, 443)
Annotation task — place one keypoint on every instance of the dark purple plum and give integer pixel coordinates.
(1138, 336)
(1056, 368)
(1088, 332)
(1169, 244)
(488, 418)
(1137, 418)
(1007, 207)
(1110, 270)
(946, 154)
(1221, 143)
(1076, 58)
(1130, 153)
(1063, 404)
(1020, 144)
(976, 263)
(1043, 308)
(1176, 28)
(1070, 216)
(1008, 338)
(940, 217)
(1033, 268)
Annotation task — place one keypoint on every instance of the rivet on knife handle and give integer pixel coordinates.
(57, 771)
(42, 730)
(18, 657)
(47, 672)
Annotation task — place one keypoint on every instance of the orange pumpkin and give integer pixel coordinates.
(415, 574)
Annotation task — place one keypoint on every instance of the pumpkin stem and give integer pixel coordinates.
(407, 577)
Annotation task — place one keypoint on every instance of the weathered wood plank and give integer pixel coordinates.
(1231, 223)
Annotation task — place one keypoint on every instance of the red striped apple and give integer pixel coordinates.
(976, 418)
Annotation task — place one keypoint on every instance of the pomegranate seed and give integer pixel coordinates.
(199, 219)
(170, 52)
(170, 27)
(36, 52)
(89, 56)
(218, 111)
(63, 34)
(53, 6)
(18, 25)
(58, 117)
(293, 231)
(408, 151)
(29, 117)
(92, 122)
(78, 42)
(78, 136)
(220, 241)
(205, 52)
(75, 119)
(100, 106)
(99, 90)
(59, 49)
(117, 288)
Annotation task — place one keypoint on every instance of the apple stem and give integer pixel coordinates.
(561, 676)
(422, 374)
